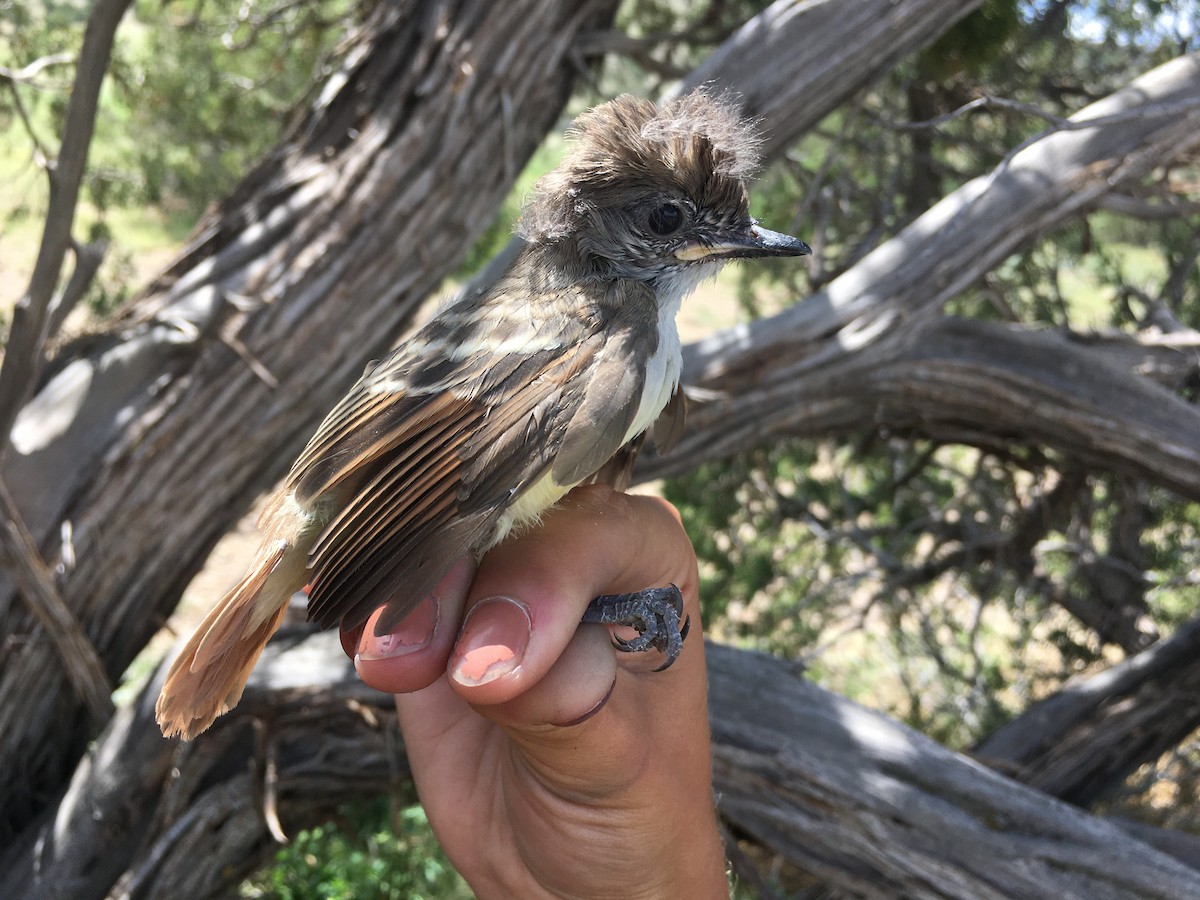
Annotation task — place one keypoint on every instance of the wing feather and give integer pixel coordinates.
(671, 422)
(423, 456)
(413, 496)
(601, 422)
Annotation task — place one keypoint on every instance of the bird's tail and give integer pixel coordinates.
(210, 673)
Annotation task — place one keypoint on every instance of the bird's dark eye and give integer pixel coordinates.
(665, 219)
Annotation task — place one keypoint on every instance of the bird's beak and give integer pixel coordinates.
(755, 241)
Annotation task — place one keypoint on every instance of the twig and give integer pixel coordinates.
(32, 577)
(88, 258)
(26, 74)
(261, 372)
(1060, 124)
(271, 793)
(41, 154)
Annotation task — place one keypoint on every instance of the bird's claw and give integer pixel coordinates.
(653, 613)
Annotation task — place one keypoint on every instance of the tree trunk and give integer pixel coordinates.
(131, 461)
(148, 440)
(871, 350)
(878, 810)
(844, 793)
(1090, 736)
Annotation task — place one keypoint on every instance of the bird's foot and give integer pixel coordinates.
(653, 613)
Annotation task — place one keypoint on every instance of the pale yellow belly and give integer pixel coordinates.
(528, 508)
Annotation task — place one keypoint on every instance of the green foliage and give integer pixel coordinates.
(927, 579)
(200, 92)
(935, 581)
(974, 42)
(880, 574)
(371, 852)
(195, 94)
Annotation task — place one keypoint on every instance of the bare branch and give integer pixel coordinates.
(1139, 208)
(861, 353)
(1100, 728)
(23, 352)
(76, 653)
(88, 258)
(963, 381)
(866, 804)
(26, 74)
(41, 155)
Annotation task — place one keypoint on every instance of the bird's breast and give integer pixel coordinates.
(527, 508)
(662, 370)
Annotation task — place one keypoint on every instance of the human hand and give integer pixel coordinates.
(548, 762)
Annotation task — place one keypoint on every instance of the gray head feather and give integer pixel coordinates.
(697, 149)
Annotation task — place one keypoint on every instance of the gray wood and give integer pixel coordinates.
(879, 810)
(1098, 729)
(797, 60)
(872, 808)
(872, 348)
(151, 437)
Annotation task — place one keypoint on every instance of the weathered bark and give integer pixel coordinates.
(1097, 730)
(844, 793)
(148, 817)
(796, 62)
(877, 810)
(152, 436)
(952, 379)
(23, 561)
(872, 351)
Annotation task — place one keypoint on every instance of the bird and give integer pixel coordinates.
(507, 398)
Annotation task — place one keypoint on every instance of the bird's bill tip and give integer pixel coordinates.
(755, 242)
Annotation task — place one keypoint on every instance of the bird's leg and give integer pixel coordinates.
(653, 613)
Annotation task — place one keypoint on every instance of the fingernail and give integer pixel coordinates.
(493, 641)
(413, 633)
(591, 712)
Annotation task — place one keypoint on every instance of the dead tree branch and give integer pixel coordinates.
(75, 652)
(871, 349)
(1098, 729)
(854, 798)
(877, 810)
(27, 336)
(152, 435)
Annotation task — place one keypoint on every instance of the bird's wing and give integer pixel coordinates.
(671, 422)
(600, 423)
(666, 431)
(423, 456)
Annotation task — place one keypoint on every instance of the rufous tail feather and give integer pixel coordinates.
(210, 673)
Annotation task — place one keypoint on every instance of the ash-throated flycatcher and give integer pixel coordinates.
(506, 400)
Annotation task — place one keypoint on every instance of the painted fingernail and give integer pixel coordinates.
(413, 633)
(493, 641)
